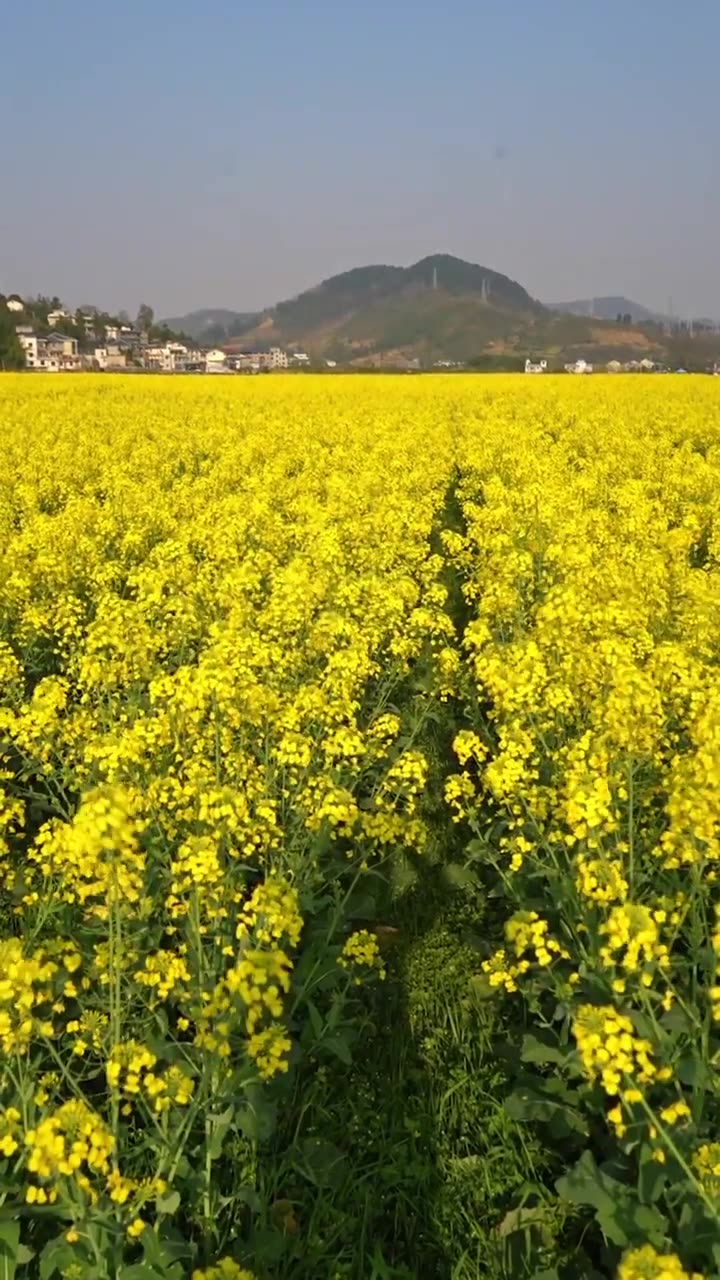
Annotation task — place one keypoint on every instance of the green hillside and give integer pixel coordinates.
(439, 309)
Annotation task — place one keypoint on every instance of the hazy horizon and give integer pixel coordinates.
(235, 157)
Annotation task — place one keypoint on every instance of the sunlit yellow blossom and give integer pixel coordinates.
(362, 951)
(647, 1264)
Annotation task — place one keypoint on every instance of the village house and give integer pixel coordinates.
(246, 362)
(64, 350)
(275, 358)
(216, 361)
(62, 345)
(171, 357)
(110, 357)
(58, 317)
(15, 303)
(37, 355)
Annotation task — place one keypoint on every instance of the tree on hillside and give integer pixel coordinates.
(145, 317)
(11, 353)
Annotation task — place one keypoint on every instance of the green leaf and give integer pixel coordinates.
(529, 1104)
(522, 1217)
(458, 876)
(170, 1202)
(316, 1018)
(652, 1224)
(480, 988)
(535, 1050)
(585, 1184)
(322, 1162)
(248, 1196)
(56, 1256)
(676, 1019)
(9, 1245)
(139, 1271)
(165, 1255)
(693, 1070)
(338, 1045)
(220, 1125)
(257, 1120)
(651, 1176)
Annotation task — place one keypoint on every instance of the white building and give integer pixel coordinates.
(579, 366)
(112, 332)
(37, 355)
(170, 358)
(216, 361)
(249, 362)
(300, 357)
(535, 368)
(110, 357)
(15, 303)
(58, 317)
(63, 345)
(253, 361)
(154, 357)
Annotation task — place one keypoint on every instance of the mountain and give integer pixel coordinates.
(608, 308)
(439, 309)
(212, 324)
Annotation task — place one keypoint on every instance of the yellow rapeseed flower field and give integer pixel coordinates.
(237, 616)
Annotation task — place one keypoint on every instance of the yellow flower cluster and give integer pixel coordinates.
(164, 974)
(600, 880)
(632, 940)
(10, 1131)
(611, 1050)
(130, 1071)
(225, 1269)
(362, 951)
(589, 766)
(528, 934)
(531, 942)
(128, 1066)
(26, 994)
(226, 624)
(269, 1049)
(207, 617)
(250, 992)
(706, 1167)
(96, 858)
(272, 914)
(647, 1264)
(71, 1142)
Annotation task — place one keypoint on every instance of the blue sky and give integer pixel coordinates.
(232, 154)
